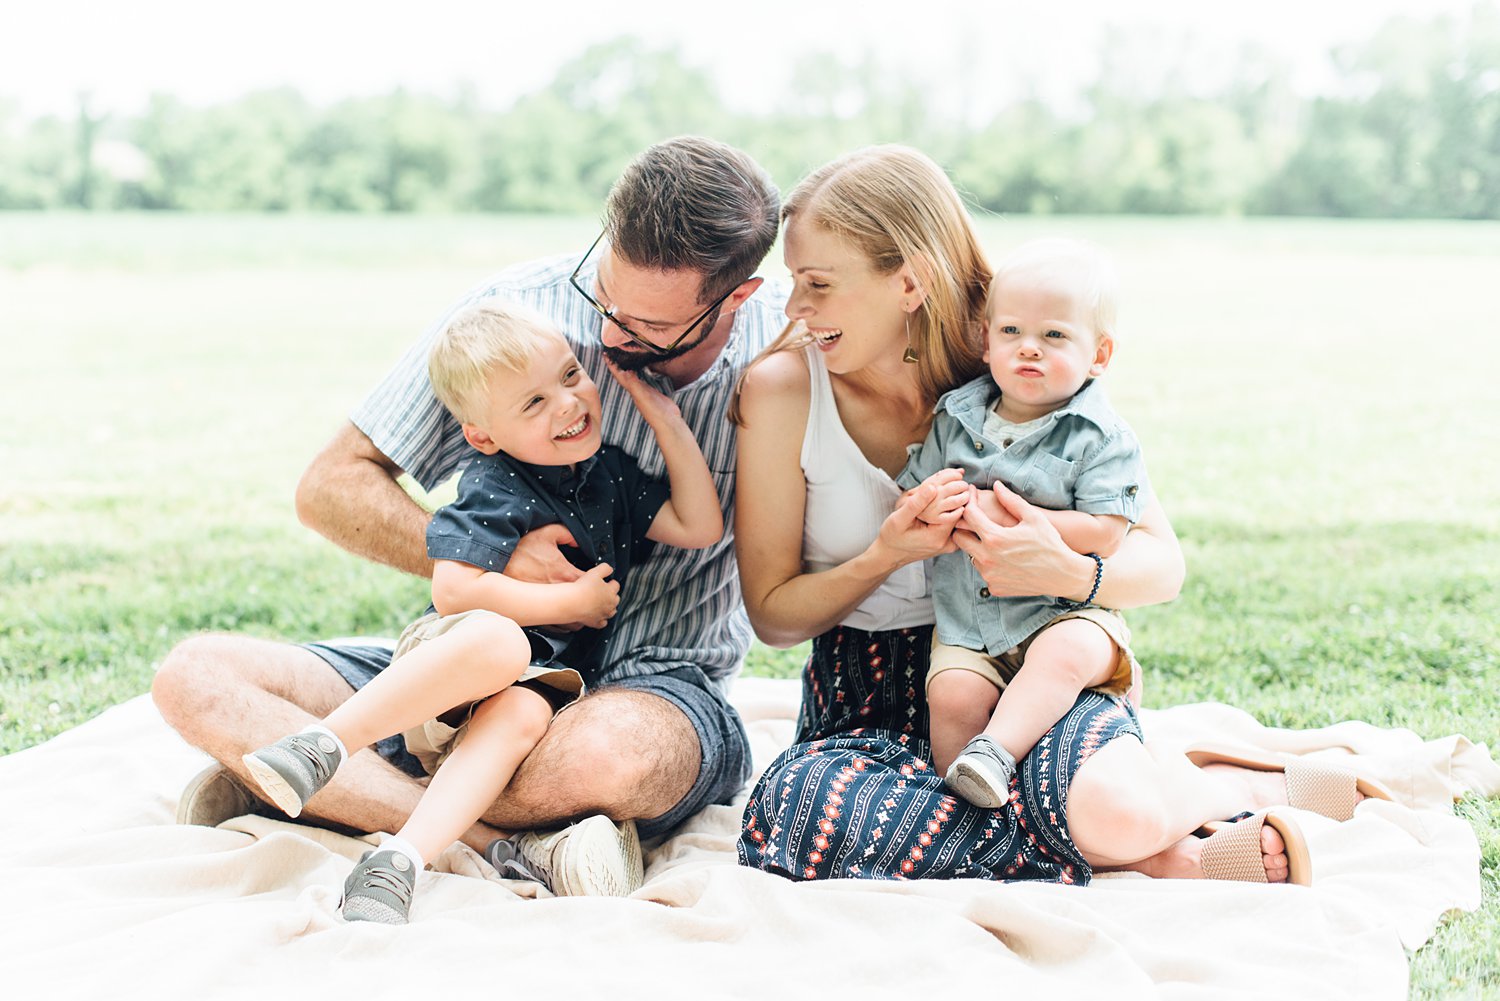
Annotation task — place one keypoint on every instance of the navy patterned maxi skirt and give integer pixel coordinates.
(857, 797)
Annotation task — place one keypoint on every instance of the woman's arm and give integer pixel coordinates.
(1030, 557)
(786, 605)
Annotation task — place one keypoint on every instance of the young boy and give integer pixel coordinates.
(475, 682)
(1040, 423)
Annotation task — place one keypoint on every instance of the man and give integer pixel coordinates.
(666, 291)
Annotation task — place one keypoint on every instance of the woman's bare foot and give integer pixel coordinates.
(1259, 789)
(1184, 859)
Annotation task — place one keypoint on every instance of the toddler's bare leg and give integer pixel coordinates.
(502, 731)
(475, 659)
(959, 704)
(1061, 662)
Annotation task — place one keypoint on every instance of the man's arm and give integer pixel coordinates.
(349, 495)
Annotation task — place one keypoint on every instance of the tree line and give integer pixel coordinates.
(1412, 129)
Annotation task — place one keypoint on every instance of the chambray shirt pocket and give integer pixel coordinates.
(1048, 480)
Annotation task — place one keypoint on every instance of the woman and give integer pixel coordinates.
(889, 290)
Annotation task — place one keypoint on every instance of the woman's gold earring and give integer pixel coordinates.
(910, 357)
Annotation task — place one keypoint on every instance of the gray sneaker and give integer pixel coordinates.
(290, 771)
(380, 889)
(213, 796)
(593, 858)
(982, 772)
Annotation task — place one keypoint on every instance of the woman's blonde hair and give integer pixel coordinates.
(897, 207)
(474, 341)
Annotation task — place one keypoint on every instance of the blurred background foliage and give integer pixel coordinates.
(1410, 127)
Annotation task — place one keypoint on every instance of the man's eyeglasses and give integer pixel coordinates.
(609, 314)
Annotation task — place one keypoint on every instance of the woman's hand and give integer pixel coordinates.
(905, 538)
(1019, 552)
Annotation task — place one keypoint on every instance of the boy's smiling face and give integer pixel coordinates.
(1041, 345)
(546, 413)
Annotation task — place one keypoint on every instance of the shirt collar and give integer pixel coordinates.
(555, 479)
(1090, 402)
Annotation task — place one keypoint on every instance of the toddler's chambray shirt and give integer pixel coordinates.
(1080, 457)
(606, 502)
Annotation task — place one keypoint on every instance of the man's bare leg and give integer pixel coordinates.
(230, 695)
(626, 754)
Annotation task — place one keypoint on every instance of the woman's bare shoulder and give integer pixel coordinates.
(774, 383)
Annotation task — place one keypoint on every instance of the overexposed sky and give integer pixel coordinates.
(984, 52)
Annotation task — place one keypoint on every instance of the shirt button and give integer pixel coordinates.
(1130, 490)
(984, 592)
(1008, 442)
(979, 446)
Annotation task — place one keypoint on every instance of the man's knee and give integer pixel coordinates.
(192, 672)
(628, 745)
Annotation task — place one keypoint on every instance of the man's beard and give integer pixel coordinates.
(633, 359)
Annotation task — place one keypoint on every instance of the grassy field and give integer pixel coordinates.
(1317, 401)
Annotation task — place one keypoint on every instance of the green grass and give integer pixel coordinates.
(1317, 402)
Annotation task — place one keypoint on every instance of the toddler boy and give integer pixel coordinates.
(1004, 670)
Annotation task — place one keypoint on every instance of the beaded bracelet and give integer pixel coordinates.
(1098, 578)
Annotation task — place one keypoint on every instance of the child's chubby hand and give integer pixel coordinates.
(953, 495)
(595, 597)
(651, 402)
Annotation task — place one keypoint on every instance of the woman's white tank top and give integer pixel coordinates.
(847, 500)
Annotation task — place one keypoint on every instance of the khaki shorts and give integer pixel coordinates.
(434, 740)
(1000, 670)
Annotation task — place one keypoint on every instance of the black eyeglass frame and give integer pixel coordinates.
(609, 314)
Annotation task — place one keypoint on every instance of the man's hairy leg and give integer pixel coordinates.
(230, 695)
(628, 754)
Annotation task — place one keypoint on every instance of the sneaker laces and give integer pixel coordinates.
(309, 750)
(508, 860)
(384, 877)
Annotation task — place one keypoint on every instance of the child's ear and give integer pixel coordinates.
(1103, 352)
(480, 439)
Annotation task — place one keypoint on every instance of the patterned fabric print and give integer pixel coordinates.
(857, 797)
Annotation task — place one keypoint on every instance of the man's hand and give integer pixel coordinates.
(538, 558)
(596, 597)
(952, 494)
(1025, 557)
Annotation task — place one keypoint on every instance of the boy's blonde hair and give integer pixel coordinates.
(474, 341)
(897, 207)
(1077, 268)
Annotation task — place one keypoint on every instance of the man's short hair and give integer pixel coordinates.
(696, 204)
(479, 338)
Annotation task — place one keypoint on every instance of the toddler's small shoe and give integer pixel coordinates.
(290, 771)
(982, 772)
(380, 889)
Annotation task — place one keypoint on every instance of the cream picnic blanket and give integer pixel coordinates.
(102, 895)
